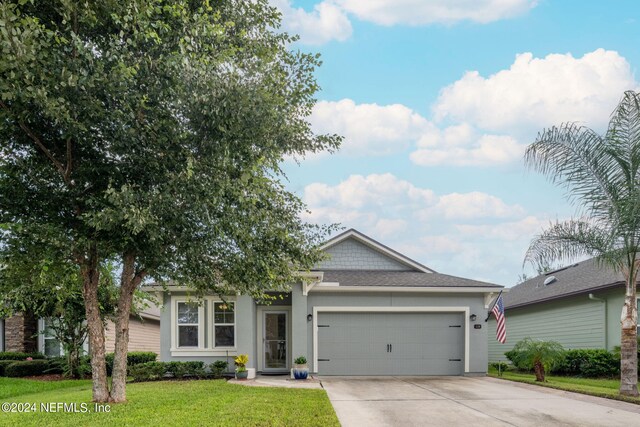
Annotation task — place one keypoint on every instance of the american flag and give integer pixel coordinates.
(501, 328)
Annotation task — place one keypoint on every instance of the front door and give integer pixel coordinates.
(276, 347)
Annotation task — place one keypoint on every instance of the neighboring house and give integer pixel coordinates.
(366, 310)
(23, 332)
(578, 306)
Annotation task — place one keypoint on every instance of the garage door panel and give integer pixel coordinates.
(422, 344)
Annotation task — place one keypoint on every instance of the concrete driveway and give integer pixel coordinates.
(467, 401)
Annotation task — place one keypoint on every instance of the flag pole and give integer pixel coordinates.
(494, 303)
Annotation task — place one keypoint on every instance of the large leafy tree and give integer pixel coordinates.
(150, 132)
(602, 176)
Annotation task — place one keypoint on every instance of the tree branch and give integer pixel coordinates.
(67, 169)
(59, 166)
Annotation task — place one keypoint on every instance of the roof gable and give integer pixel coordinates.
(353, 250)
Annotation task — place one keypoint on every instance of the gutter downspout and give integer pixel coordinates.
(606, 330)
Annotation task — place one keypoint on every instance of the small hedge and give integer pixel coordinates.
(589, 363)
(17, 355)
(133, 358)
(153, 371)
(3, 366)
(26, 368)
(218, 367)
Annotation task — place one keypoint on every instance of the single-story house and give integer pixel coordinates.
(579, 306)
(26, 333)
(365, 310)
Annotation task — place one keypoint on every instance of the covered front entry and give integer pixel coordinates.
(390, 343)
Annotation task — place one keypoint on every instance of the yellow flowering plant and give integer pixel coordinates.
(241, 361)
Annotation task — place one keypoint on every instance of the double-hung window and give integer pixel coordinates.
(224, 324)
(188, 324)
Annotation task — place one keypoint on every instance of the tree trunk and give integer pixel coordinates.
(539, 371)
(629, 343)
(129, 281)
(90, 283)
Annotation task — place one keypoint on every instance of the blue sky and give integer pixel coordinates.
(437, 100)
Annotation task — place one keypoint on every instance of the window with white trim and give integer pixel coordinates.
(224, 324)
(188, 324)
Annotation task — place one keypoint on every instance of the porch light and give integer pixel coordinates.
(473, 317)
(309, 317)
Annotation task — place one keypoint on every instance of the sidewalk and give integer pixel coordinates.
(279, 381)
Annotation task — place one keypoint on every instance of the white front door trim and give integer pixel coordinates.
(464, 310)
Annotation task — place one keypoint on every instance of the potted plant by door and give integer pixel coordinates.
(300, 368)
(241, 361)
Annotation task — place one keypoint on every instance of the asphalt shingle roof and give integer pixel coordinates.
(400, 278)
(577, 278)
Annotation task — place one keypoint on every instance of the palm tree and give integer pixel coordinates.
(601, 174)
(538, 355)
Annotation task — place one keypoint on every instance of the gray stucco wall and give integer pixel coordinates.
(245, 314)
(575, 322)
(475, 302)
(353, 255)
(301, 334)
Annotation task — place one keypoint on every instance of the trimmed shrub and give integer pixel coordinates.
(3, 366)
(150, 371)
(517, 361)
(26, 368)
(56, 365)
(186, 369)
(590, 363)
(17, 355)
(218, 368)
(153, 371)
(500, 366)
(137, 357)
(133, 358)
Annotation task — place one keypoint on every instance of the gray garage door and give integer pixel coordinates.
(390, 344)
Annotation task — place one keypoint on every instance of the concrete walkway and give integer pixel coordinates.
(467, 401)
(279, 381)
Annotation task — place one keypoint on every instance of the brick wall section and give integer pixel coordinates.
(353, 255)
(20, 333)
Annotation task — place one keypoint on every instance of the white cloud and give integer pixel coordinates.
(369, 129)
(459, 146)
(421, 12)
(539, 92)
(527, 227)
(357, 192)
(475, 205)
(389, 227)
(393, 199)
(325, 23)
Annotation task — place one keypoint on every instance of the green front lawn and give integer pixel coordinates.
(593, 386)
(12, 387)
(207, 402)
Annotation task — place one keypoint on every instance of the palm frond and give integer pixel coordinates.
(568, 241)
(623, 137)
(578, 159)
